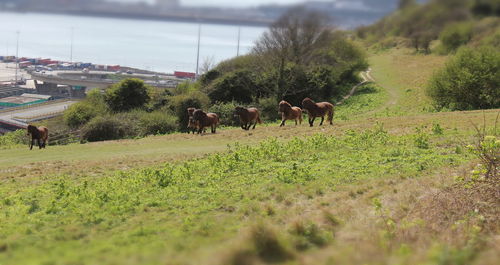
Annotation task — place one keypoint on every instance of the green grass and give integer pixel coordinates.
(295, 195)
(179, 208)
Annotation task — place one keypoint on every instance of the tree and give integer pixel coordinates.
(294, 37)
(128, 94)
(403, 4)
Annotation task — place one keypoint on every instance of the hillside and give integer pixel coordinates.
(389, 183)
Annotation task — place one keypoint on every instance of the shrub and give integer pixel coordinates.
(12, 139)
(128, 94)
(237, 86)
(180, 103)
(470, 80)
(268, 108)
(455, 35)
(225, 112)
(102, 128)
(78, 114)
(157, 122)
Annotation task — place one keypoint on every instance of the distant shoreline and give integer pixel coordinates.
(152, 17)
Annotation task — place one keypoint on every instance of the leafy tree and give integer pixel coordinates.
(239, 86)
(294, 37)
(128, 94)
(470, 80)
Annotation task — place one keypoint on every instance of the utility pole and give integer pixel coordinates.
(17, 55)
(198, 53)
(71, 45)
(238, 48)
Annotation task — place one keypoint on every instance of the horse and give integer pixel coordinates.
(289, 113)
(192, 125)
(40, 134)
(247, 117)
(203, 120)
(315, 110)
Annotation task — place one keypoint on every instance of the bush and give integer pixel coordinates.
(13, 139)
(108, 127)
(78, 114)
(455, 35)
(157, 122)
(268, 108)
(470, 80)
(237, 86)
(128, 94)
(225, 112)
(180, 103)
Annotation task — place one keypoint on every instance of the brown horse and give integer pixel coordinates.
(247, 117)
(40, 134)
(289, 113)
(203, 120)
(320, 109)
(192, 125)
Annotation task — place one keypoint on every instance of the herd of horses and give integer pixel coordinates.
(249, 117)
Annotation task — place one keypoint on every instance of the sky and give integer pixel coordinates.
(238, 3)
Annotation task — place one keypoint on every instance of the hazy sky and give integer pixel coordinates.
(223, 2)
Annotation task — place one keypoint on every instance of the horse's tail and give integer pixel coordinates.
(330, 113)
(259, 120)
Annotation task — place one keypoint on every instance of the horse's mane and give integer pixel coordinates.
(198, 114)
(285, 103)
(308, 103)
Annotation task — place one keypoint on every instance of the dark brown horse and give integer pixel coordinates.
(315, 110)
(40, 134)
(203, 120)
(192, 125)
(289, 113)
(247, 117)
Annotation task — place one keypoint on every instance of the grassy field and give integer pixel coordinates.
(389, 183)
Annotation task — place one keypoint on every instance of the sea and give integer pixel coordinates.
(160, 46)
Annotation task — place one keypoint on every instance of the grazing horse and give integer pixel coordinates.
(203, 120)
(192, 125)
(247, 117)
(320, 109)
(289, 113)
(40, 134)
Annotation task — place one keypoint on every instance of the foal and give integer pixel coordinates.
(315, 110)
(289, 113)
(247, 117)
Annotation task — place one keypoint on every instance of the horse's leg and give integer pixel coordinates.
(295, 122)
(311, 121)
(282, 123)
(38, 141)
(322, 119)
(32, 143)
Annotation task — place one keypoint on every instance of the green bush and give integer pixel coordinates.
(78, 114)
(225, 110)
(108, 127)
(268, 108)
(157, 122)
(128, 94)
(13, 139)
(455, 35)
(237, 86)
(470, 80)
(180, 103)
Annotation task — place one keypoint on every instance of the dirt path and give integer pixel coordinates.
(367, 78)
